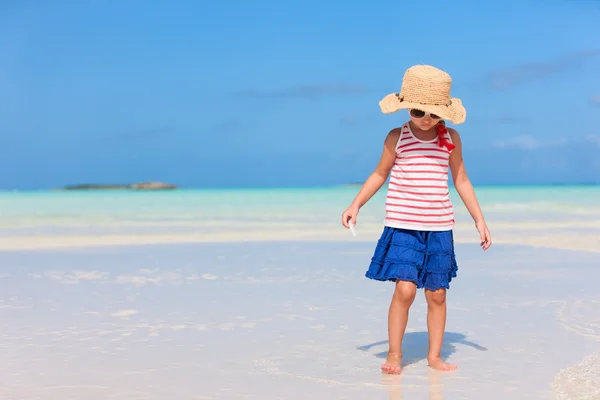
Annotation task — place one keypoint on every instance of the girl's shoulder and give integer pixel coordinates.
(393, 136)
(396, 132)
(453, 133)
(455, 138)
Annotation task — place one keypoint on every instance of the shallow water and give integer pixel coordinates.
(274, 320)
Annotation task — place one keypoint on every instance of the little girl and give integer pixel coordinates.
(416, 248)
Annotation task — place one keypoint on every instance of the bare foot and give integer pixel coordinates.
(392, 364)
(439, 365)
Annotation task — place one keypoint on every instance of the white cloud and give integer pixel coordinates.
(74, 277)
(596, 99)
(528, 72)
(151, 277)
(138, 280)
(124, 313)
(528, 142)
(594, 139)
(523, 142)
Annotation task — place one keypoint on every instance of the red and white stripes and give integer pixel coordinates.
(418, 196)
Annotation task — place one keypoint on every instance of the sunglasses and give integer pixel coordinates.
(420, 114)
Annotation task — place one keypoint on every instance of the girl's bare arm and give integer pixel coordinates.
(465, 189)
(376, 179)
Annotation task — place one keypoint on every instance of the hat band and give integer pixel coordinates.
(446, 104)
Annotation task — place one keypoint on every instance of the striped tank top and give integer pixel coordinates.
(418, 197)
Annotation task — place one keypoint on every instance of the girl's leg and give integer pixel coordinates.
(436, 324)
(404, 295)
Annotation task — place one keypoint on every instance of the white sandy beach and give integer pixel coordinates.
(281, 310)
(288, 320)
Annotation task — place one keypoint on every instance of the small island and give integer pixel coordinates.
(132, 186)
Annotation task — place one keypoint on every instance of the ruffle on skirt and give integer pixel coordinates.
(426, 258)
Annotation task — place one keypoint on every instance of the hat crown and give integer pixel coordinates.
(424, 84)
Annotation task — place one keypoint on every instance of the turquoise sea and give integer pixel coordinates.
(20, 202)
(541, 215)
(106, 208)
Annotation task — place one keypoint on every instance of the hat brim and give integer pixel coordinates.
(454, 113)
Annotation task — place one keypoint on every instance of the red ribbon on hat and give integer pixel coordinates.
(442, 141)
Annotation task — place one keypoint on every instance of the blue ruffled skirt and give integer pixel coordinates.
(424, 257)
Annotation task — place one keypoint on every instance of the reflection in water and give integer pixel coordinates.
(415, 346)
(414, 349)
(394, 385)
(435, 386)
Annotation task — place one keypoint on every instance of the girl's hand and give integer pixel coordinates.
(484, 234)
(349, 215)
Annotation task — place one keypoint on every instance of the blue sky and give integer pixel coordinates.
(273, 93)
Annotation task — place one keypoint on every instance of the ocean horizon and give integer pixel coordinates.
(278, 187)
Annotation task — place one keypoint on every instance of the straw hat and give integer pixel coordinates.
(426, 88)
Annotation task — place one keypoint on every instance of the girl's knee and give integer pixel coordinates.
(436, 297)
(405, 291)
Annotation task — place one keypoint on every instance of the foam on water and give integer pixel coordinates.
(580, 381)
(580, 316)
